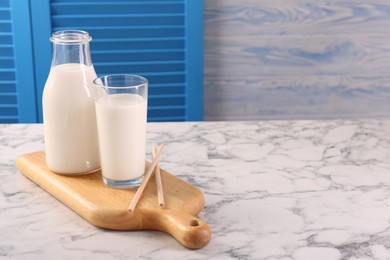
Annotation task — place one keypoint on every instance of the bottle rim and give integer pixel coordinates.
(70, 36)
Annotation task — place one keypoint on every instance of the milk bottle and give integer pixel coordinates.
(71, 142)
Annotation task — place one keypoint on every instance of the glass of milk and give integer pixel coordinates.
(121, 110)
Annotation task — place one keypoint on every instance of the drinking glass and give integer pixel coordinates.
(121, 112)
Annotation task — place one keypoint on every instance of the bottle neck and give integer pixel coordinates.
(75, 52)
(71, 46)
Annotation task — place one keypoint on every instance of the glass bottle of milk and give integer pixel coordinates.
(71, 142)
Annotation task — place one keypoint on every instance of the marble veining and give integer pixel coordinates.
(286, 190)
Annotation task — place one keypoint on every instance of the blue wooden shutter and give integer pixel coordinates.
(17, 86)
(161, 40)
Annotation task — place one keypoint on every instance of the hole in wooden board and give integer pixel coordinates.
(194, 223)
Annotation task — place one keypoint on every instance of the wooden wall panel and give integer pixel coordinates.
(296, 59)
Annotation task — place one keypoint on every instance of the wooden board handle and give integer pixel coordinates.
(190, 231)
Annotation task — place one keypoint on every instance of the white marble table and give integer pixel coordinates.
(304, 190)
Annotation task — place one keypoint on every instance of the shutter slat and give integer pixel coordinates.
(166, 111)
(123, 46)
(8, 117)
(123, 63)
(8, 70)
(8, 99)
(149, 69)
(8, 86)
(165, 95)
(72, 24)
(168, 89)
(116, 9)
(7, 62)
(113, 3)
(166, 101)
(6, 39)
(5, 75)
(5, 27)
(9, 111)
(150, 33)
(167, 119)
(114, 20)
(134, 51)
(135, 44)
(116, 57)
(4, 4)
(116, 16)
(6, 51)
(5, 14)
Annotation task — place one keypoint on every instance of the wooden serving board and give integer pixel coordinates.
(107, 208)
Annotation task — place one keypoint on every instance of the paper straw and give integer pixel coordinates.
(141, 188)
(160, 192)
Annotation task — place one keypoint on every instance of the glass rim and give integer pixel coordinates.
(101, 78)
(70, 36)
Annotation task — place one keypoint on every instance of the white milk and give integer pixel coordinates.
(71, 142)
(121, 120)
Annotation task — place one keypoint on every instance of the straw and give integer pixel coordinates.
(160, 192)
(141, 188)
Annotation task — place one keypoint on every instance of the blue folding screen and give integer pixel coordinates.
(161, 40)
